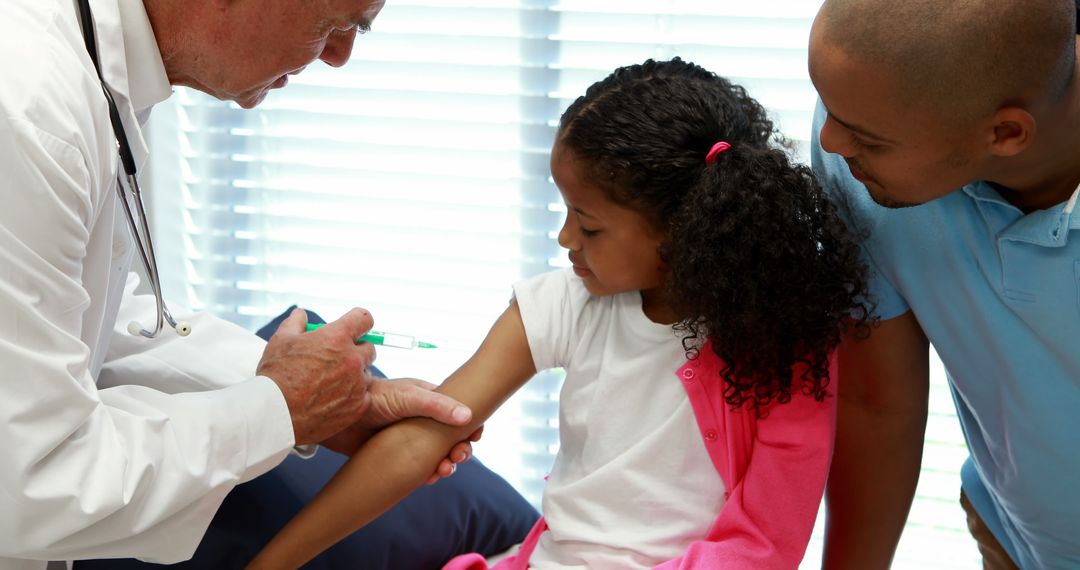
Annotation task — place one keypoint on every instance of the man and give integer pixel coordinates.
(950, 132)
(119, 445)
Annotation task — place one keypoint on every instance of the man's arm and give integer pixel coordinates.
(401, 457)
(883, 389)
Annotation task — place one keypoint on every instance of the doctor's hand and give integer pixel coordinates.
(322, 374)
(395, 400)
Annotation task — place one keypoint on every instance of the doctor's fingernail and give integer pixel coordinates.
(461, 414)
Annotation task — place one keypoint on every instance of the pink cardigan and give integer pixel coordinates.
(774, 470)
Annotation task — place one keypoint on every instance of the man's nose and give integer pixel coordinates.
(834, 140)
(338, 48)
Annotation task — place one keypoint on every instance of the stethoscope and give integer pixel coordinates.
(142, 238)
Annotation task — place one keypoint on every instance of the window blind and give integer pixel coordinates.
(414, 182)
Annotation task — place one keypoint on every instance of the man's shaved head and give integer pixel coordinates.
(963, 58)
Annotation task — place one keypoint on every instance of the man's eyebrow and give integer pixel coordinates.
(859, 130)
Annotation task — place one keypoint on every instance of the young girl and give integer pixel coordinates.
(711, 280)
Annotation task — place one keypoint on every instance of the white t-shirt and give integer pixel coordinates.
(632, 484)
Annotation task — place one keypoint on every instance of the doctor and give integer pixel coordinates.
(118, 445)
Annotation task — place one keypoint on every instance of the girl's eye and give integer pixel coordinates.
(588, 233)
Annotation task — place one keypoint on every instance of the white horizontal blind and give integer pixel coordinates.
(414, 182)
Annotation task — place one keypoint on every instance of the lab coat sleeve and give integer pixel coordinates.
(126, 471)
(769, 514)
(216, 354)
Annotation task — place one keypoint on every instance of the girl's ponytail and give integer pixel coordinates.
(759, 262)
(759, 256)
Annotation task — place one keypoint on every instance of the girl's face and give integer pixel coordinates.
(613, 248)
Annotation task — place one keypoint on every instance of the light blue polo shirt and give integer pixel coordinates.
(997, 292)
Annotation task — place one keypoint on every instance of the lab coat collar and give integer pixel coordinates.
(132, 66)
(147, 80)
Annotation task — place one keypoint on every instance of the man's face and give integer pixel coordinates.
(262, 42)
(903, 156)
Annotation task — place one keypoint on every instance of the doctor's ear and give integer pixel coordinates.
(1013, 131)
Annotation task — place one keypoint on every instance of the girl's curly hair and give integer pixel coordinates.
(759, 261)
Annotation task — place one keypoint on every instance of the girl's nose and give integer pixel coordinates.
(568, 234)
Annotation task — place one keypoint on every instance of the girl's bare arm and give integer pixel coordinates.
(401, 457)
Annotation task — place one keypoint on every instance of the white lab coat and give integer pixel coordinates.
(113, 444)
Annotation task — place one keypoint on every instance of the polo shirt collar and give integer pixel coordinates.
(1047, 228)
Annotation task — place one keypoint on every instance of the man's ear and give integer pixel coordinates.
(1012, 131)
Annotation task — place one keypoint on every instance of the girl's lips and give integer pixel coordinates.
(581, 271)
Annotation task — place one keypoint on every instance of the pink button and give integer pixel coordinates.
(710, 435)
(688, 374)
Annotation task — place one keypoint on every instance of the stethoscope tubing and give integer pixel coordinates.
(146, 254)
(144, 243)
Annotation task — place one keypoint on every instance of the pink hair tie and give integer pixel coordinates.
(710, 159)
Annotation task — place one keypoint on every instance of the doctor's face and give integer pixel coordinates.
(257, 44)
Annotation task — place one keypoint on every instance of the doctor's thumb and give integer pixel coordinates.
(295, 324)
